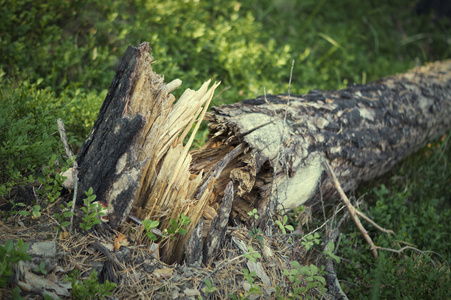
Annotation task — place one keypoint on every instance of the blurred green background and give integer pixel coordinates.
(71, 48)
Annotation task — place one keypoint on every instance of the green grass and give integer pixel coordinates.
(59, 57)
(415, 202)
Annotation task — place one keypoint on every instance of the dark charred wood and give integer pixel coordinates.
(193, 248)
(110, 138)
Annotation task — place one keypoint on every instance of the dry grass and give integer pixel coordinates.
(142, 276)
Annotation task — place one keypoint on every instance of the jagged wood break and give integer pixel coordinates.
(134, 158)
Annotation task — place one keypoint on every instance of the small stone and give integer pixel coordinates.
(43, 249)
(69, 182)
(191, 292)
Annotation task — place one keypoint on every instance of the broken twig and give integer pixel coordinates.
(69, 153)
(352, 209)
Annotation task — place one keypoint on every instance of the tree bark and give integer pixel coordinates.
(363, 131)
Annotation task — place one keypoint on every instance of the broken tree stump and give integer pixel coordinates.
(134, 156)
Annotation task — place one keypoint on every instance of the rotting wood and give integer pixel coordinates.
(218, 227)
(363, 131)
(194, 246)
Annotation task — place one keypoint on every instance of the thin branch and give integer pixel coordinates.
(333, 284)
(413, 248)
(373, 223)
(289, 85)
(298, 232)
(352, 209)
(69, 153)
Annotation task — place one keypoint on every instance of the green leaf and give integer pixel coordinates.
(207, 283)
(312, 285)
(22, 247)
(314, 269)
(320, 279)
(68, 214)
(182, 231)
(9, 246)
(331, 246)
(149, 224)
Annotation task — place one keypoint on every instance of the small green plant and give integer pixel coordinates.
(310, 240)
(90, 288)
(254, 289)
(252, 255)
(93, 211)
(305, 278)
(11, 254)
(257, 234)
(178, 226)
(35, 212)
(330, 252)
(283, 225)
(65, 214)
(250, 278)
(209, 288)
(13, 211)
(149, 225)
(53, 180)
(253, 214)
(41, 268)
(16, 294)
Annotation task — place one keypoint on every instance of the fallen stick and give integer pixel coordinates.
(352, 210)
(69, 153)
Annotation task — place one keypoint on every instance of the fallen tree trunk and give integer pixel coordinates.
(270, 148)
(363, 130)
